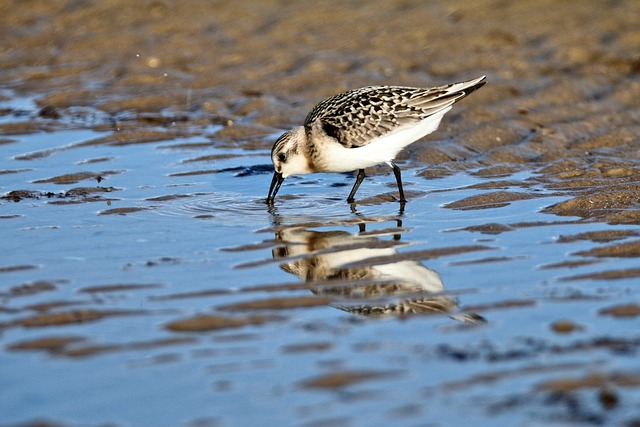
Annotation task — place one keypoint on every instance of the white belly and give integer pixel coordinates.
(337, 158)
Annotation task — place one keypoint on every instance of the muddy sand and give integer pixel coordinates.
(559, 116)
(562, 98)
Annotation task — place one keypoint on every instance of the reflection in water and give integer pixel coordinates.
(361, 272)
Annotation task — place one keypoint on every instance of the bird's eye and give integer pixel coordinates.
(282, 157)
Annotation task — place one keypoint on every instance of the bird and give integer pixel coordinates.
(361, 128)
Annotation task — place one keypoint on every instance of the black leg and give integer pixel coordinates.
(359, 179)
(396, 172)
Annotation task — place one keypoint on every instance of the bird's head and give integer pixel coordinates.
(289, 153)
(290, 157)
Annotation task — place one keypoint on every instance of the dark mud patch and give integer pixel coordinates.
(55, 304)
(162, 261)
(212, 157)
(205, 322)
(195, 146)
(338, 380)
(313, 347)
(73, 178)
(605, 275)
(493, 200)
(626, 310)
(12, 171)
(81, 192)
(620, 250)
(168, 197)
(74, 195)
(69, 317)
(603, 236)
(195, 173)
(96, 160)
(568, 264)
(22, 128)
(49, 344)
(93, 199)
(118, 288)
(14, 268)
(96, 350)
(592, 381)
(123, 210)
(32, 288)
(71, 197)
(492, 228)
(75, 346)
(566, 326)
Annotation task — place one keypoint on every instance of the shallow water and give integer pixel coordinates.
(147, 283)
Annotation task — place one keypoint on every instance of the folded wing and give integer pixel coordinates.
(357, 117)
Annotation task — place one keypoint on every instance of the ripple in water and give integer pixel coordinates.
(235, 209)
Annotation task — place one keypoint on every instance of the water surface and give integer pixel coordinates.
(147, 283)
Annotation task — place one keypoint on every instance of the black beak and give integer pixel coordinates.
(275, 186)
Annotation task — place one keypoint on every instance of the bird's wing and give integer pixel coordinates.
(357, 117)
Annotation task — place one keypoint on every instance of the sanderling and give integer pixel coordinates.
(363, 128)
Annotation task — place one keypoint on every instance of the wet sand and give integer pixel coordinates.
(559, 117)
(562, 98)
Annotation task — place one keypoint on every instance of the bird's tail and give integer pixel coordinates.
(467, 87)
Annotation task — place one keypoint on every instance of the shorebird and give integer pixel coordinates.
(363, 128)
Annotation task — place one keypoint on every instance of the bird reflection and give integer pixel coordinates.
(363, 272)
